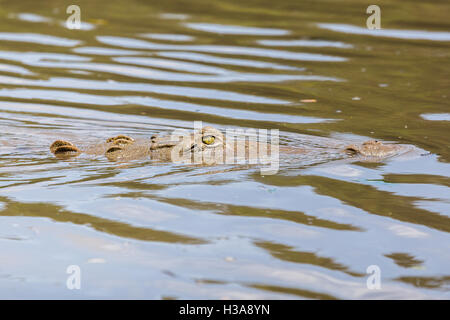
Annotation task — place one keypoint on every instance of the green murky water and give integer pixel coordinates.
(146, 230)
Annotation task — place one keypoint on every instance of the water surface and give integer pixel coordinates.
(168, 231)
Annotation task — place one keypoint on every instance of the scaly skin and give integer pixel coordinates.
(373, 148)
(207, 146)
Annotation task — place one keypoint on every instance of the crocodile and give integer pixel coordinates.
(210, 146)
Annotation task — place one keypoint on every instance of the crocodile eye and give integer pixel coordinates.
(208, 139)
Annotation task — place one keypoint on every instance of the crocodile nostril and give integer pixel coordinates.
(351, 150)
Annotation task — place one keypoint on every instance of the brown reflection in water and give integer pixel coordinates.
(272, 288)
(287, 253)
(245, 211)
(133, 185)
(120, 229)
(92, 177)
(367, 198)
(442, 283)
(27, 182)
(209, 281)
(294, 291)
(417, 178)
(404, 260)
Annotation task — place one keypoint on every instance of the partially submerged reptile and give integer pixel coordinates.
(210, 146)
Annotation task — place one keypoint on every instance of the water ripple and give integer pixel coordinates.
(236, 30)
(172, 230)
(38, 39)
(190, 92)
(389, 33)
(257, 52)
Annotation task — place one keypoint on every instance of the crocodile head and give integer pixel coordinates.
(203, 145)
(373, 148)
